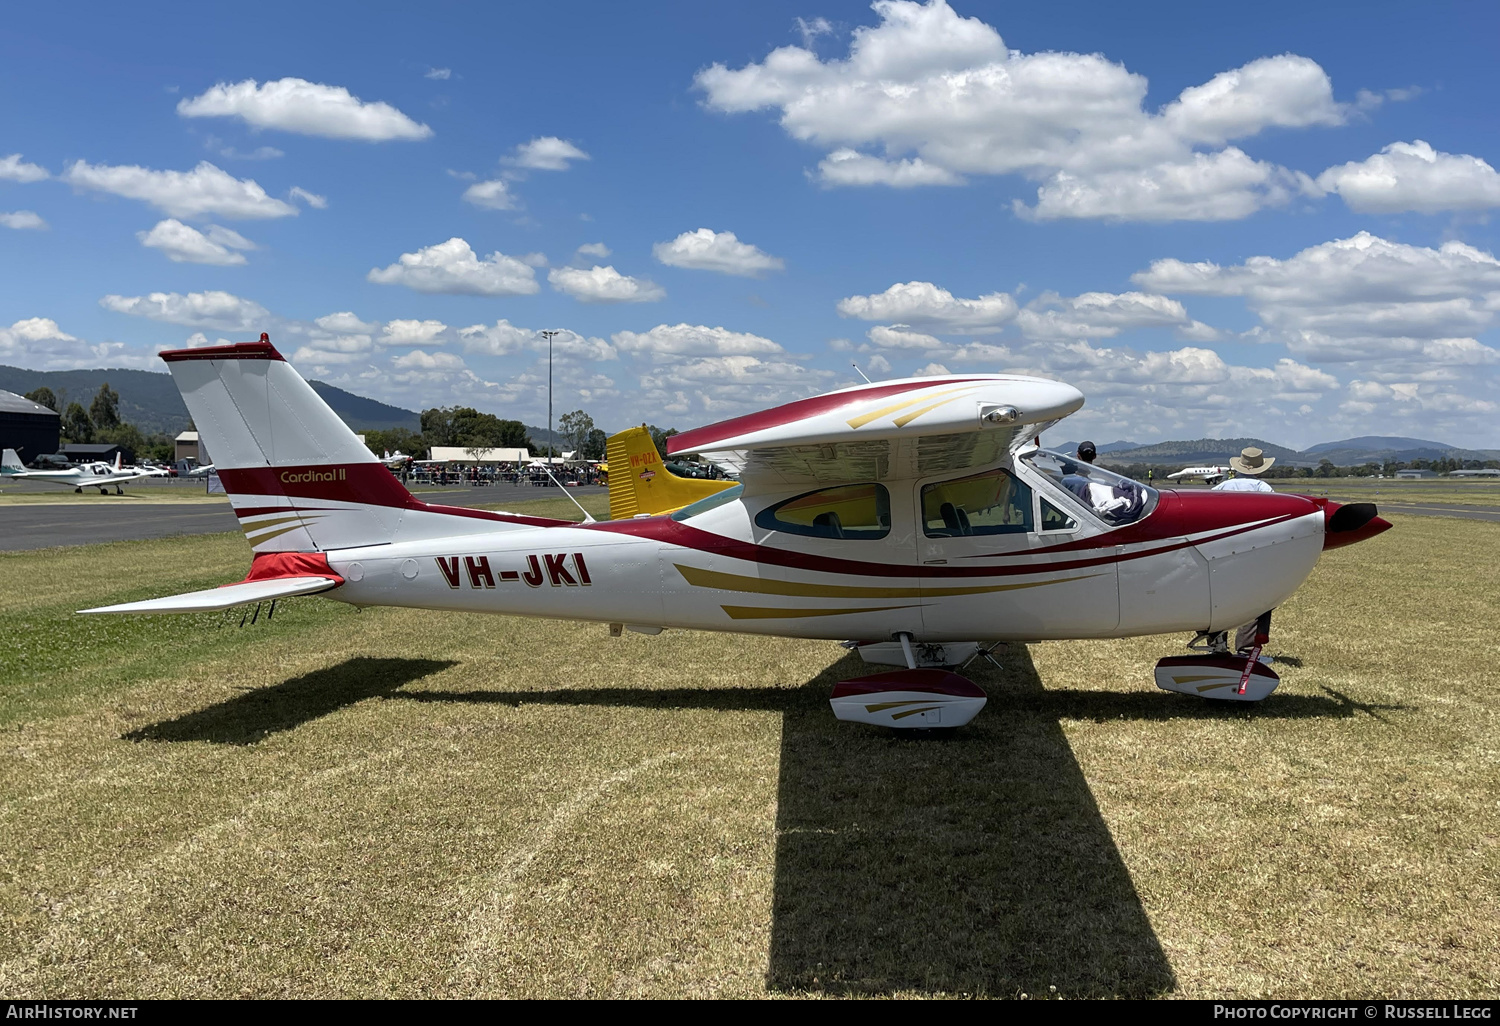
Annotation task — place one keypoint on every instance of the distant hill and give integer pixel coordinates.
(363, 414)
(1102, 450)
(1378, 443)
(1202, 451)
(152, 403)
(148, 400)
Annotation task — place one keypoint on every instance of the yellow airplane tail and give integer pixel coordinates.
(640, 483)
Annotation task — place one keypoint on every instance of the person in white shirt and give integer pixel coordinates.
(1246, 466)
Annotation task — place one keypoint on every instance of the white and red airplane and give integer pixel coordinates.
(918, 516)
(1206, 474)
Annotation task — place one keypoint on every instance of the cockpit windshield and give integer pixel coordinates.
(1113, 498)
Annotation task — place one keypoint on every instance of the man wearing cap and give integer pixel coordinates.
(1246, 466)
(1087, 452)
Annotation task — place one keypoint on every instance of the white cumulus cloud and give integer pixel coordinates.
(185, 244)
(205, 191)
(307, 108)
(924, 304)
(1361, 298)
(603, 285)
(707, 250)
(676, 340)
(1413, 176)
(453, 267)
(851, 167)
(547, 153)
(220, 310)
(412, 333)
(927, 97)
(22, 219)
(39, 329)
(14, 169)
(492, 195)
(1106, 314)
(312, 199)
(344, 322)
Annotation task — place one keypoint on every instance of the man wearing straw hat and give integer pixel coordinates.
(1246, 466)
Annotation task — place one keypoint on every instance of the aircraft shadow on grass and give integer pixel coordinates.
(254, 715)
(975, 862)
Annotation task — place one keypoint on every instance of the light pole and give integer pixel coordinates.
(548, 335)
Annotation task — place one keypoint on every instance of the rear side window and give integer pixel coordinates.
(860, 512)
(990, 503)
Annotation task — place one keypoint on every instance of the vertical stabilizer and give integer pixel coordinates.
(640, 483)
(298, 478)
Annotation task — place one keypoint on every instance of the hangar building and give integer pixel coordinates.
(27, 427)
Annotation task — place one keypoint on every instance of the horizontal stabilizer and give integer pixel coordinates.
(229, 595)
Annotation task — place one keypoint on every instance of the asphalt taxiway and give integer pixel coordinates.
(46, 525)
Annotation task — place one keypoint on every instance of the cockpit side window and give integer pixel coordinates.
(1054, 519)
(990, 503)
(860, 512)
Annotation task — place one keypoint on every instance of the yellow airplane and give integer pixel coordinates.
(639, 483)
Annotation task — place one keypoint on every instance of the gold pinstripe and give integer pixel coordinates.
(774, 613)
(768, 586)
(865, 418)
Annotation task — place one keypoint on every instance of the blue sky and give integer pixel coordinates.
(1274, 221)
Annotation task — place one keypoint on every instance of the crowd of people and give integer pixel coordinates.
(485, 474)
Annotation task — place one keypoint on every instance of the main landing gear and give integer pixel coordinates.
(916, 698)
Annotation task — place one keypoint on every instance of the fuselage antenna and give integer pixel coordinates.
(860, 372)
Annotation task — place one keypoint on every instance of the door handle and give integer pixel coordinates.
(931, 561)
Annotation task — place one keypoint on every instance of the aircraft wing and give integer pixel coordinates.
(230, 595)
(889, 429)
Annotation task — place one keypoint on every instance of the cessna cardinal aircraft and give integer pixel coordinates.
(89, 475)
(916, 515)
(1206, 474)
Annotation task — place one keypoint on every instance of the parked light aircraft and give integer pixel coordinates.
(394, 460)
(88, 475)
(917, 515)
(1208, 475)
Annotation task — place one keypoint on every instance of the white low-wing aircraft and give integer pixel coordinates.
(89, 475)
(1206, 474)
(916, 515)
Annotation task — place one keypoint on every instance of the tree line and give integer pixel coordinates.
(101, 423)
(464, 427)
(459, 426)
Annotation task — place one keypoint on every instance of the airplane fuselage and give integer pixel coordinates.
(1197, 561)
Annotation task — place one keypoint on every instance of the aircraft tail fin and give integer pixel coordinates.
(299, 479)
(639, 483)
(10, 462)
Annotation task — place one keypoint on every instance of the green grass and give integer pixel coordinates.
(419, 804)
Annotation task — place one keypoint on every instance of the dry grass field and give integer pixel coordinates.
(402, 803)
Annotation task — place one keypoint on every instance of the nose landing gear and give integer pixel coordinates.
(1237, 676)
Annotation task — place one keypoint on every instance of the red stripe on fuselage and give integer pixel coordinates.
(697, 438)
(671, 532)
